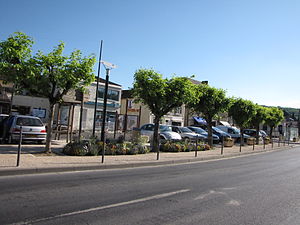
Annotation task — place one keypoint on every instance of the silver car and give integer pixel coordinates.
(32, 129)
(165, 132)
(186, 133)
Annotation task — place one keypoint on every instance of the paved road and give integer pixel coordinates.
(257, 189)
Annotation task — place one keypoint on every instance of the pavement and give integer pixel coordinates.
(33, 160)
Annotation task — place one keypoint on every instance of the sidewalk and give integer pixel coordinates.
(32, 161)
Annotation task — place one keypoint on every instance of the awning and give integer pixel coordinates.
(200, 120)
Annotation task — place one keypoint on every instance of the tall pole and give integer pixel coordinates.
(96, 97)
(104, 114)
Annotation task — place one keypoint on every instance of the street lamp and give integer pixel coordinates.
(108, 66)
(97, 86)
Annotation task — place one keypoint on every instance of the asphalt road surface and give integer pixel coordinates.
(257, 189)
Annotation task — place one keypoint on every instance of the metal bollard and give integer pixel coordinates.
(196, 151)
(19, 147)
(222, 147)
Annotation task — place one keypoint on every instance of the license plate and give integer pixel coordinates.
(31, 135)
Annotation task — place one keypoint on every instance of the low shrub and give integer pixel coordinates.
(182, 147)
(81, 148)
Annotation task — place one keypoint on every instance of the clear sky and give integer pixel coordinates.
(250, 48)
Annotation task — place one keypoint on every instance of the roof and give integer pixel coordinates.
(197, 81)
(101, 80)
(126, 94)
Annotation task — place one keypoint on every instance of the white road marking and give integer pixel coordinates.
(164, 195)
(212, 192)
(234, 203)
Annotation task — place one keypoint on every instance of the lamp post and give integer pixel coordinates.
(108, 66)
(97, 86)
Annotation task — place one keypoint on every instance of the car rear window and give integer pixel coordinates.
(29, 122)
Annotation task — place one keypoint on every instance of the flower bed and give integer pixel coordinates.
(182, 147)
(94, 147)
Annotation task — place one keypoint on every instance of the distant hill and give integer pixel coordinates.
(291, 112)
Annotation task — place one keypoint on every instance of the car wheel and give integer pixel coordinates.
(186, 139)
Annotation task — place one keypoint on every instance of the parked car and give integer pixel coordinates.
(252, 133)
(32, 129)
(234, 132)
(221, 134)
(202, 132)
(186, 133)
(165, 132)
(263, 133)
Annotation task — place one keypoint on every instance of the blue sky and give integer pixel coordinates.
(251, 48)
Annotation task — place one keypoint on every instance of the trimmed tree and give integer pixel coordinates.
(209, 101)
(273, 118)
(49, 75)
(259, 118)
(242, 111)
(160, 95)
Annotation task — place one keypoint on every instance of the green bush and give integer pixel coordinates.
(95, 147)
(81, 148)
(182, 147)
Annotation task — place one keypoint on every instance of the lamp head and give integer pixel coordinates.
(108, 65)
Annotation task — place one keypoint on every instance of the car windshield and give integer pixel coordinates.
(218, 130)
(29, 122)
(263, 132)
(185, 130)
(164, 128)
(199, 130)
(237, 131)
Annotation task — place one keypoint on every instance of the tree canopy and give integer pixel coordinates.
(242, 112)
(258, 118)
(273, 117)
(209, 101)
(160, 94)
(49, 75)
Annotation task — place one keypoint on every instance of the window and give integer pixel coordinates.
(149, 127)
(29, 122)
(111, 94)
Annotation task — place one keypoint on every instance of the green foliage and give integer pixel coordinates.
(94, 147)
(209, 101)
(49, 75)
(81, 148)
(274, 116)
(170, 146)
(159, 94)
(242, 112)
(259, 117)
(15, 52)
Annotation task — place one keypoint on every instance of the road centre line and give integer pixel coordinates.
(159, 196)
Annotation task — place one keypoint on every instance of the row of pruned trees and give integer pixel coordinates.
(49, 75)
(162, 95)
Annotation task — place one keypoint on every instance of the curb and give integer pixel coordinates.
(28, 171)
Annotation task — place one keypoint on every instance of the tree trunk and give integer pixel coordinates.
(49, 129)
(209, 132)
(257, 134)
(155, 141)
(242, 136)
(271, 133)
